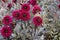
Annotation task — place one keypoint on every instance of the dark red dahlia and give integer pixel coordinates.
(16, 14)
(9, 5)
(6, 31)
(37, 20)
(33, 2)
(59, 6)
(36, 9)
(25, 15)
(25, 7)
(14, 1)
(7, 20)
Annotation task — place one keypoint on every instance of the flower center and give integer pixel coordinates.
(37, 10)
(24, 15)
(38, 20)
(17, 15)
(25, 7)
(7, 19)
(6, 30)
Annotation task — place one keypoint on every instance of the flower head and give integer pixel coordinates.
(9, 5)
(25, 7)
(16, 14)
(37, 20)
(58, 5)
(14, 1)
(25, 15)
(7, 20)
(6, 31)
(33, 2)
(36, 9)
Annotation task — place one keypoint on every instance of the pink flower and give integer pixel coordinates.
(14, 1)
(9, 5)
(16, 14)
(33, 2)
(25, 15)
(7, 20)
(37, 20)
(25, 7)
(6, 31)
(58, 5)
(36, 9)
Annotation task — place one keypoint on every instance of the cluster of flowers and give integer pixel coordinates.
(22, 14)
